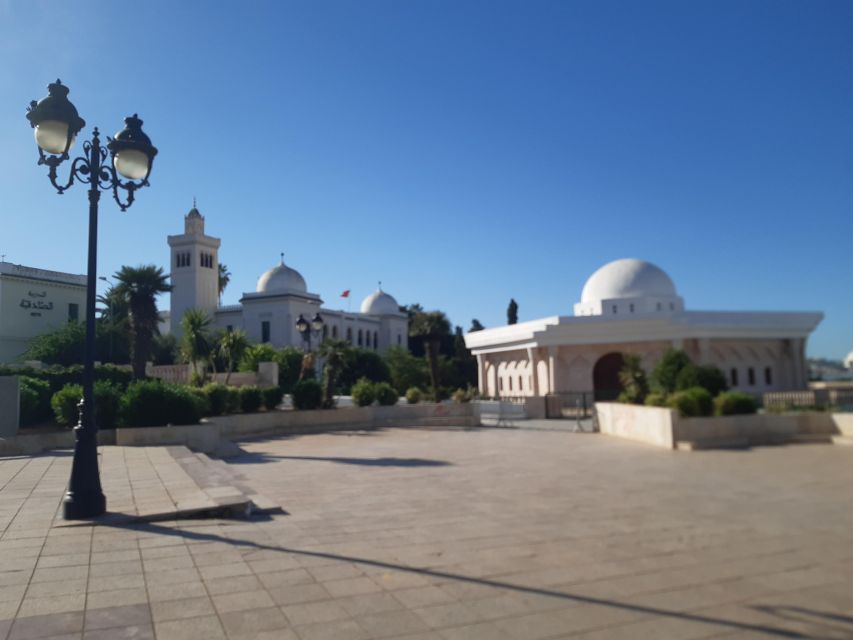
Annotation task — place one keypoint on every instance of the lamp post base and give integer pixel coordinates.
(79, 506)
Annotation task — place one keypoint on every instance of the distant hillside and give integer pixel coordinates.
(825, 369)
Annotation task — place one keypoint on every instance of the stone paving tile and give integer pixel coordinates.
(181, 608)
(333, 630)
(253, 621)
(46, 626)
(243, 601)
(207, 627)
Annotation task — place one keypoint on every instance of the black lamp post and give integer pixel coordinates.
(308, 329)
(57, 123)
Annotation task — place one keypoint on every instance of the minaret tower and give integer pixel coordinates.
(195, 269)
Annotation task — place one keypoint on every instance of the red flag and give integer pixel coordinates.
(345, 294)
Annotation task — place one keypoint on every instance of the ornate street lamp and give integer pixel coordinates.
(57, 123)
(306, 329)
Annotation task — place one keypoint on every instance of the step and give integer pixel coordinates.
(843, 440)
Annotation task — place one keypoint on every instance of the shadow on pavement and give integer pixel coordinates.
(434, 573)
(260, 458)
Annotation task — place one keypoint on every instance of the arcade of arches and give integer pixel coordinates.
(750, 365)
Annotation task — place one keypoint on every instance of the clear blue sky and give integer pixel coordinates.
(462, 152)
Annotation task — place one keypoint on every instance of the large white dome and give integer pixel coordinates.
(380, 303)
(281, 279)
(628, 278)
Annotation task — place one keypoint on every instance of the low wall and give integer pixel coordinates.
(10, 406)
(665, 428)
(208, 436)
(652, 425)
(28, 444)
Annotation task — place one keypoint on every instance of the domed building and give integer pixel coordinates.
(281, 296)
(633, 307)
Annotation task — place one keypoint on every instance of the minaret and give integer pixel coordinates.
(194, 269)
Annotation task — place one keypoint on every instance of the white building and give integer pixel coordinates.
(269, 313)
(632, 306)
(36, 301)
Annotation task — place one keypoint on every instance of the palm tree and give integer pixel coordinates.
(139, 287)
(430, 326)
(224, 279)
(196, 343)
(232, 346)
(334, 353)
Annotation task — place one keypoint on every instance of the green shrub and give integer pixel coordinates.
(217, 397)
(35, 401)
(413, 395)
(707, 377)
(233, 403)
(656, 400)
(58, 376)
(664, 375)
(153, 403)
(307, 394)
(385, 394)
(695, 401)
(363, 393)
(108, 398)
(730, 403)
(459, 396)
(64, 404)
(107, 404)
(251, 399)
(202, 399)
(272, 397)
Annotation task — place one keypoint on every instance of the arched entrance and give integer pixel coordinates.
(605, 377)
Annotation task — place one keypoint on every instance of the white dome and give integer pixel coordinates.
(848, 361)
(380, 303)
(281, 279)
(628, 278)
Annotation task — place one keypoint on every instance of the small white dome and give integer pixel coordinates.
(848, 361)
(380, 303)
(628, 278)
(281, 279)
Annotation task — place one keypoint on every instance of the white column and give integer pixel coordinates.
(552, 369)
(483, 383)
(531, 359)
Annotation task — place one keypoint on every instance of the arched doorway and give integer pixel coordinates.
(605, 377)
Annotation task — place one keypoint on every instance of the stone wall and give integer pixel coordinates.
(665, 428)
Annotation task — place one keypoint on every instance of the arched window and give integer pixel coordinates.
(375, 339)
(631, 307)
(734, 377)
(349, 335)
(325, 331)
(614, 308)
(768, 375)
(335, 331)
(360, 338)
(750, 374)
(520, 385)
(659, 306)
(509, 379)
(399, 339)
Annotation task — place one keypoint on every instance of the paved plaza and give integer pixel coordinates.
(448, 534)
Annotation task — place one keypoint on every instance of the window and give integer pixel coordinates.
(734, 377)
(73, 312)
(750, 374)
(375, 339)
(614, 308)
(509, 378)
(349, 335)
(501, 384)
(206, 260)
(335, 331)
(229, 328)
(265, 331)
(325, 331)
(660, 306)
(671, 306)
(182, 259)
(399, 339)
(768, 375)
(631, 307)
(360, 338)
